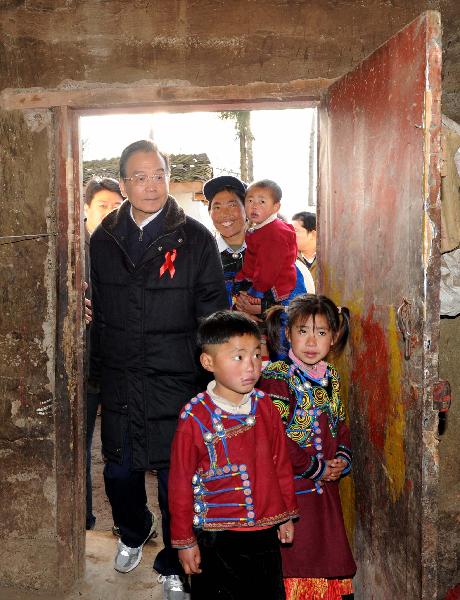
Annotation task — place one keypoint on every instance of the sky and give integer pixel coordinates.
(280, 147)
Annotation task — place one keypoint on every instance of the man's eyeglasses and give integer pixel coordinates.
(142, 179)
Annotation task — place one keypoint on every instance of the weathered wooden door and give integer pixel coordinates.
(379, 250)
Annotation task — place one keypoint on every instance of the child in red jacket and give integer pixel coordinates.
(231, 483)
(269, 262)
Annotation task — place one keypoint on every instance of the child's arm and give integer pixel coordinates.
(184, 462)
(190, 559)
(303, 460)
(340, 465)
(286, 532)
(343, 452)
(282, 461)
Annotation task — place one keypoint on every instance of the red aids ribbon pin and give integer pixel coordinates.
(170, 257)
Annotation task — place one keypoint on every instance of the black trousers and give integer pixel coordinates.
(92, 404)
(125, 490)
(239, 565)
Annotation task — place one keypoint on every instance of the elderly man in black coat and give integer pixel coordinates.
(155, 272)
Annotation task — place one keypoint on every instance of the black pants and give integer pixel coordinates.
(239, 565)
(92, 404)
(125, 490)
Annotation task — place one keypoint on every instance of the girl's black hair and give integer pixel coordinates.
(222, 325)
(300, 309)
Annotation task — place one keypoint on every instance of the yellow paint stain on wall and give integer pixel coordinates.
(394, 435)
(343, 364)
(347, 485)
(348, 499)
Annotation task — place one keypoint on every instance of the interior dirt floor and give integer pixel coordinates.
(101, 581)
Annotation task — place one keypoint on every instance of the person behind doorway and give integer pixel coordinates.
(306, 390)
(304, 224)
(303, 274)
(230, 442)
(102, 195)
(155, 273)
(225, 196)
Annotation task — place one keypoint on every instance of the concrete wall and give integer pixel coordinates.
(27, 340)
(209, 42)
(68, 44)
(41, 424)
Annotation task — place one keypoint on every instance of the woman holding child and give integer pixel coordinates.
(225, 195)
(226, 204)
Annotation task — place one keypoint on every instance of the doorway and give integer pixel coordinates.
(201, 145)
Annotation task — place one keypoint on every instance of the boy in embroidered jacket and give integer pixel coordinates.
(231, 483)
(269, 262)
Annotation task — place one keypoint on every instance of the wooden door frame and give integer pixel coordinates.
(67, 105)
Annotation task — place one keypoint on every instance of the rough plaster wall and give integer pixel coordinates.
(28, 488)
(449, 481)
(207, 42)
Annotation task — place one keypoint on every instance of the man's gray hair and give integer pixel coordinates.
(141, 146)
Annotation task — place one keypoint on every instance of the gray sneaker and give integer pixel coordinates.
(126, 558)
(174, 587)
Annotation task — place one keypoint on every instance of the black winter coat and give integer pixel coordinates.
(147, 362)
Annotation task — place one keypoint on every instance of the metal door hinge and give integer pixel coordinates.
(442, 396)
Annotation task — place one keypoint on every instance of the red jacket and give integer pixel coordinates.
(239, 464)
(269, 260)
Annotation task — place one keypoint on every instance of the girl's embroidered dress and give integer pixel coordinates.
(320, 559)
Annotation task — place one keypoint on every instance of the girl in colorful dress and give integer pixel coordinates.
(306, 390)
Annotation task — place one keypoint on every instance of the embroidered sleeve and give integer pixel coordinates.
(273, 383)
(283, 464)
(344, 446)
(337, 394)
(315, 470)
(184, 462)
(345, 454)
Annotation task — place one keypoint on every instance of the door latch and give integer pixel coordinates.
(442, 396)
(403, 316)
(442, 399)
